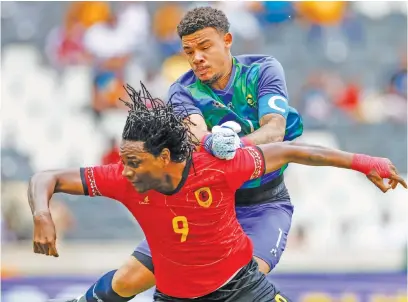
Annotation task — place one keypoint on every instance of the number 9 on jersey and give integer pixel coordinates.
(180, 226)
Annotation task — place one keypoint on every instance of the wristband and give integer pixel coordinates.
(206, 143)
(365, 164)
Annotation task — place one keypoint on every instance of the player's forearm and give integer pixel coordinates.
(278, 154)
(272, 130)
(312, 155)
(198, 134)
(198, 127)
(44, 184)
(40, 190)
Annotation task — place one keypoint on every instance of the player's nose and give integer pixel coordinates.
(127, 173)
(198, 57)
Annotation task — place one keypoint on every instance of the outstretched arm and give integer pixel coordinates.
(93, 181)
(40, 190)
(375, 168)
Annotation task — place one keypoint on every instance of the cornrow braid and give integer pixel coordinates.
(154, 122)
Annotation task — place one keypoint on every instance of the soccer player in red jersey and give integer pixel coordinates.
(184, 202)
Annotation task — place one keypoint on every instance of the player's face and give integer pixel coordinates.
(208, 53)
(143, 170)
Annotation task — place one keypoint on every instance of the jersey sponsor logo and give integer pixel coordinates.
(250, 101)
(145, 200)
(273, 105)
(204, 197)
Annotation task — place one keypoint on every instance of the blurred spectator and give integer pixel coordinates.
(64, 44)
(273, 12)
(315, 104)
(349, 98)
(165, 21)
(398, 82)
(353, 28)
(321, 13)
(111, 48)
(174, 67)
(391, 103)
(247, 35)
(324, 20)
(87, 13)
(112, 155)
(134, 20)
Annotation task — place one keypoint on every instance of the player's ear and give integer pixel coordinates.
(165, 156)
(228, 40)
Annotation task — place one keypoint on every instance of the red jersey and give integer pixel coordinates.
(196, 242)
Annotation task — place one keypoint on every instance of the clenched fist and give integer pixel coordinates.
(44, 238)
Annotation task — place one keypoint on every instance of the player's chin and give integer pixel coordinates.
(207, 77)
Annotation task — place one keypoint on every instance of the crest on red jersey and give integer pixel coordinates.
(204, 197)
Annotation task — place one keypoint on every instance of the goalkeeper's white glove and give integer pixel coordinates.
(223, 141)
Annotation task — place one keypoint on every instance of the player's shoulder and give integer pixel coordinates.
(205, 169)
(180, 86)
(203, 156)
(111, 171)
(204, 161)
(258, 59)
(186, 79)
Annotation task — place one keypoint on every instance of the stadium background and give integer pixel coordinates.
(63, 65)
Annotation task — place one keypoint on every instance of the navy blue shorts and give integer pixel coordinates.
(267, 224)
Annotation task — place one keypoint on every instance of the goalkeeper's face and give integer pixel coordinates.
(144, 170)
(208, 52)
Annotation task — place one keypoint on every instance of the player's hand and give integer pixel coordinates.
(393, 178)
(44, 238)
(225, 140)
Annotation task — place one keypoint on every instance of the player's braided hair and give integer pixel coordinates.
(203, 17)
(152, 121)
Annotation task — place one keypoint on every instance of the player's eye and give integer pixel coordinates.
(133, 164)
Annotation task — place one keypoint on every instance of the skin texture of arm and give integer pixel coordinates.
(198, 126)
(272, 129)
(44, 184)
(278, 154)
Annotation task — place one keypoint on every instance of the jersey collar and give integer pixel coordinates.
(184, 177)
